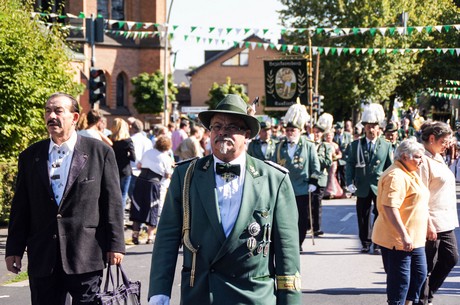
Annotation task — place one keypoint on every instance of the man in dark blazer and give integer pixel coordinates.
(263, 148)
(236, 218)
(368, 158)
(66, 211)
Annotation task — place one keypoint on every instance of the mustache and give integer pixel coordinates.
(223, 139)
(53, 122)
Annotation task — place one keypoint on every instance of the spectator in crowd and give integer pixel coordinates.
(205, 142)
(180, 135)
(190, 147)
(264, 146)
(391, 135)
(343, 139)
(333, 188)
(95, 127)
(237, 207)
(441, 245)
(349, 127)
(298, 155)
(141, 145)
(406, 130)
(107, 132)
(66, 211)
(324, 151)
(401, 227)
(155, 166)
(367, 159)
(123, 147)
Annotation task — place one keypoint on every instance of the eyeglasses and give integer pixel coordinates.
(227, 129)
(417, 157)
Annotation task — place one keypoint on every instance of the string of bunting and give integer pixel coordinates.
(313, 30)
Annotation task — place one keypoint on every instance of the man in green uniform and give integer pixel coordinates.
(298, 154)
(235, 216)
(369, 157)
(263, 148)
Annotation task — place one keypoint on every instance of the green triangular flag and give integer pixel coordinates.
(296, 48)
(211, 29)
(320, 50)
(392, 31)
(185, 37)
(121, 24)
(333, 50)
(446, 28)
(383, 50)
(139, 25)
(319, 30)
(337, 30)
(81, 15)
(272, 46)
(246, 31)
(229, 30)
(99, 16)
(175, 27)
(346, 50)
(283, 31)
(370, 51)
(439, 51)
(283, 48)
(358, 51)
(198, 39)
(355, 30)
(373, 30)
(193, 29)
(451, 51)
(428, 29)
(265, 31)
(410, 30)
(259, 45)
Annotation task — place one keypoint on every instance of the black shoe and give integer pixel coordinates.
(135, 240)
(365, 249)
(377, 251)
(318, 233)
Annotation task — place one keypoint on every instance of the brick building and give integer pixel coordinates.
(245, 66)
(120, 58)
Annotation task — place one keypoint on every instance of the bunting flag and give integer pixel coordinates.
(410, 30)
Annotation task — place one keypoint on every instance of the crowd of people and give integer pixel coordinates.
(403, 179)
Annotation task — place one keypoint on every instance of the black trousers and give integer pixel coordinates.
(441, 256)
(53, 289)
(302, 207)
(316, 209)
(363, 213)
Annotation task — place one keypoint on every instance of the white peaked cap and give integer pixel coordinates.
(373, 113)
(296, 116)
(325, 122)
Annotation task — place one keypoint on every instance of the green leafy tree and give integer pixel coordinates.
(149, 92)
(34, 63)
(346, 80)
(218, 92)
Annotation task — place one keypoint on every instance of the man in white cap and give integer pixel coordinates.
(298, 154)
(235, 216)
(367, 159)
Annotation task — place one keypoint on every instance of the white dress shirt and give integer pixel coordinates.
(229, 194)
(59, 159)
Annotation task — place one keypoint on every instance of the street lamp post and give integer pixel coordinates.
(165, 76)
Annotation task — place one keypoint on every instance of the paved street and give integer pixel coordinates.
(333, 270)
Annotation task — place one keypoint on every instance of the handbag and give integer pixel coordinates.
(125, 293)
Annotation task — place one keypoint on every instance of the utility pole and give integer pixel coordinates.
(310, 79)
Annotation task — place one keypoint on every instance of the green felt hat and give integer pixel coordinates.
(232, 104)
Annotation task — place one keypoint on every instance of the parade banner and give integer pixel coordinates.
(285, 81)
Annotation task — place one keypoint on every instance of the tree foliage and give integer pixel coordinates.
(346, 80)
(218, 92)
(34, 63)
(149, 92)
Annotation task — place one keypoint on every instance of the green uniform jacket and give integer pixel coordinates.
(324, 151)
(255, 149)
(366, 176)
(227, 272)
(304, 168)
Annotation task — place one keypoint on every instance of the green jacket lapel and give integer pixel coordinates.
(205, 184)
(253, 184)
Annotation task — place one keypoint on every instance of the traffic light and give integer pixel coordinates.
(317, 104)
(97, 84)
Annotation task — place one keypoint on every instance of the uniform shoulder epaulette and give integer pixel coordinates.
(277, 166)
(186, 161)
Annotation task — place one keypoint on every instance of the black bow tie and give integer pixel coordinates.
(222, 168)
(263, 142)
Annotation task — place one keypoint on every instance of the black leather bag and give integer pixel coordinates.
(125, 293)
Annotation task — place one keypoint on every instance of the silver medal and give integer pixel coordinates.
(254, 229)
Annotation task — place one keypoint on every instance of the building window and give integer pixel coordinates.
(240, 59)
(120, 91)
(111, 9)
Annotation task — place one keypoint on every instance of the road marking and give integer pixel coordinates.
(348, 216)
(4, 296)
(18, 284)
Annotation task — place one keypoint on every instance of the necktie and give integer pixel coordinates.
(227, 168)
(370, 150)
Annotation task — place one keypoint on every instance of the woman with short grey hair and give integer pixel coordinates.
(400, 230)
(408, 148)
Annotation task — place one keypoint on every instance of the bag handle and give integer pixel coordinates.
(109, 277)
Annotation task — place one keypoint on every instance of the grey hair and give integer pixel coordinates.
(408, 147)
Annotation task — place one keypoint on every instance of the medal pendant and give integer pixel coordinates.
(251, 243)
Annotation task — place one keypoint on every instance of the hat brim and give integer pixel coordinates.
(251, 122)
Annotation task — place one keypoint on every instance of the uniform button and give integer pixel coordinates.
(233, 275)
(54, 236)
(58, 216)
(212, 270)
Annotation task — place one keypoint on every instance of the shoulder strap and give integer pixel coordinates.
(186, 218)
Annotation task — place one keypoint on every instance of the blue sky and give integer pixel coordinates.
(220, 14)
